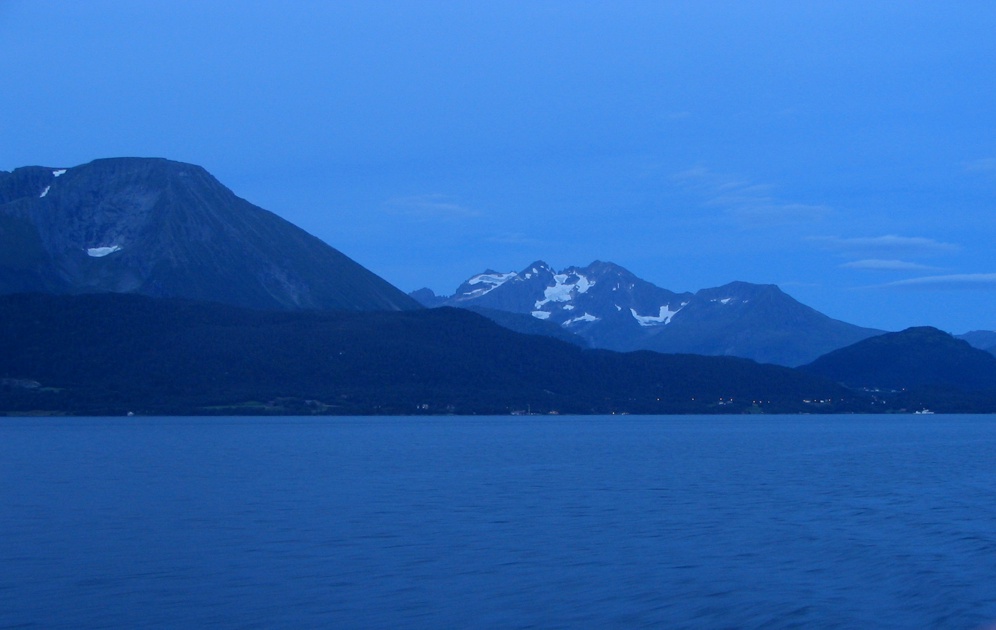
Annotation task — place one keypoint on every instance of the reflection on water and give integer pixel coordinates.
(498, 522)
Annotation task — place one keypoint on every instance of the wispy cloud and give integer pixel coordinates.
(970, 281)
(751, 203)
(799, 284)
(876, 264)
(985, 166)
(777, 212)
(512, 238)
(889, 243)
(434, 207)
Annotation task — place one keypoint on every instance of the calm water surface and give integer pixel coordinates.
(499, 522)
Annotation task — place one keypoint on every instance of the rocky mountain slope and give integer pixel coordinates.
(611, 308)
(168, 229)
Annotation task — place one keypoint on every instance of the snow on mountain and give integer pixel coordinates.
(100, 252)
(587, 317)
(650, 320)
(490, 279)
(55, 173)
(566, 287)
(611, 308)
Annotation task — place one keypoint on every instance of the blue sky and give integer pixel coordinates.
(843, 150)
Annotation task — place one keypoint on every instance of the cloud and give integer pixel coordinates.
(780, 212)
(512, 238)
(909, 245)
(970, 281)
(877, 264)
(751, 203)
(799, 284)
(433, 207)
(691, 175)
(985, 166)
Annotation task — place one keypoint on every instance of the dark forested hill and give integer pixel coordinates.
(113, 353)
(919, 366)
(911, 358)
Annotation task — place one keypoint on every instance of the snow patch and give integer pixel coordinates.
(562, 290)
(497, 279)
(541, 315)
(100, 252)
(491, 281)
(652, 320)
(58, 171)
(721, 301)
(587, 317)
(44, 192)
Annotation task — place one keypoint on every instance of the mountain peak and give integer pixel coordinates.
(168, 229)
(610, 307)
(537, 266)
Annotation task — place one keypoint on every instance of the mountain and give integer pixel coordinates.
(114, 353)
(981, 339)
(611, 308)
(917, 367)
(168, 229)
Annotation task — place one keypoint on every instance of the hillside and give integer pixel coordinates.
(914, 368)
(168, 229)
(914, 357)
(113, 353)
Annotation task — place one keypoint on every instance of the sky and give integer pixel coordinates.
(843, 150)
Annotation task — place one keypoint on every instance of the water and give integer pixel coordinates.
(672, 522)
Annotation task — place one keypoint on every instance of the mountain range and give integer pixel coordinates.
(145, 285)
(609, 307)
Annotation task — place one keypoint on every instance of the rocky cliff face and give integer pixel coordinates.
(168, 229)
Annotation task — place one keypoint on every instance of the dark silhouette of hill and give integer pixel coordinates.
(914, 357)
(114, 353)
(922, 366)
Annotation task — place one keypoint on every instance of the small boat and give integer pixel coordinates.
(924, 412)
